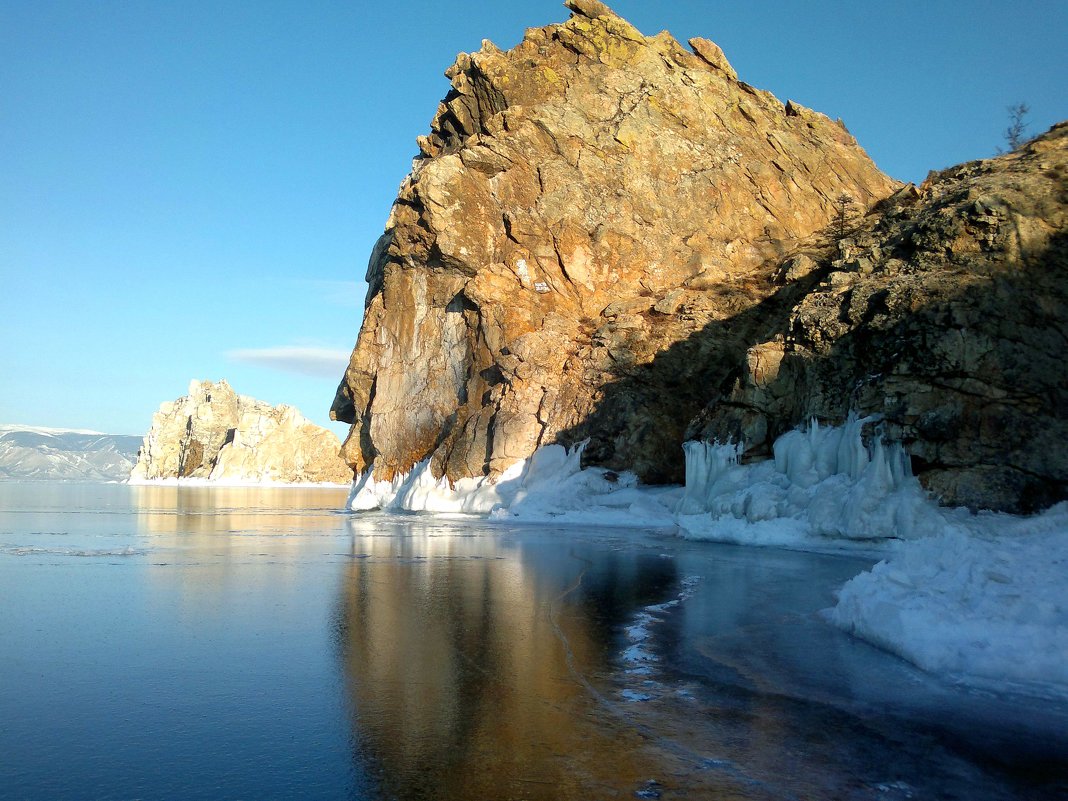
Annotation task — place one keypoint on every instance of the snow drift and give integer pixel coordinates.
(985, 601)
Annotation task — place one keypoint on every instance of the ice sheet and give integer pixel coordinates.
(211, 482)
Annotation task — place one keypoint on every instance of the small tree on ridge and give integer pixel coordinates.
(1016, 133)
(843, 205)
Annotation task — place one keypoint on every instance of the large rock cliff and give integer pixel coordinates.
(610, 237)
(214, 433)
(582, 203)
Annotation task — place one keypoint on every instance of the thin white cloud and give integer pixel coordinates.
(317, 362)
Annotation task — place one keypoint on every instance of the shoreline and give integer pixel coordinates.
(230, 483)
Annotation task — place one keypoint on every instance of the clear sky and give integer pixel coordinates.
(191, 190)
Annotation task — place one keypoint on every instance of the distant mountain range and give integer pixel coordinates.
(29, 453)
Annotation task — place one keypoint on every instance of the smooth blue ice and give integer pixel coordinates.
(170, 642)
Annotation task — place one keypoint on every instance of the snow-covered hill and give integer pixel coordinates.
(37, 453)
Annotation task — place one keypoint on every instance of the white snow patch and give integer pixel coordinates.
(550, 486)
(638, 657)
(985, 601)
(7, 428)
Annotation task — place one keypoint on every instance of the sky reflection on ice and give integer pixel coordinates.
(257, 643)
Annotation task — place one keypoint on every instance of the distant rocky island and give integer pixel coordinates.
(214, 434)
(33, 453)
(610, 237)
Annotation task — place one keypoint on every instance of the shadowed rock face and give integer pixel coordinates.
(582, 203)
(944, 311)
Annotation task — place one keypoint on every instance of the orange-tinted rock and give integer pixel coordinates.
(583, 206)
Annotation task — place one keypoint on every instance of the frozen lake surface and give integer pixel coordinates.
(225, 643)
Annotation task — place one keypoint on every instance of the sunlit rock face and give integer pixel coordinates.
(584, 249)
(945, 313)
(214, 433)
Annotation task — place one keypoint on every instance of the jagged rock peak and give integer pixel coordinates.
(214, 433)
(592, 9)
(583, 202)
(489, 81)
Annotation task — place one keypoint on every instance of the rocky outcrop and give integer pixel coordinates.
(214, 433)
(609, 237)
(945, 313)
(584, 206)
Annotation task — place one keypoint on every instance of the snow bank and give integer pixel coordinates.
(982, 598)
(823, 488)
(985, 601)
(550, 486)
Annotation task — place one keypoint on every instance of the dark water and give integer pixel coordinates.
(191, 643)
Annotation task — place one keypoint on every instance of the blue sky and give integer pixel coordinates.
(191, 190)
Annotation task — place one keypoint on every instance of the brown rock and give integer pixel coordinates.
(214, 433)
(712, 54)
(526, 290)
(951, 324)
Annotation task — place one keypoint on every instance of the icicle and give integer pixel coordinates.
(822, 483)
(706, 464)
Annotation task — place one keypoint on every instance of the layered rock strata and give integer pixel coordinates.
(584, 250)
(214, 433)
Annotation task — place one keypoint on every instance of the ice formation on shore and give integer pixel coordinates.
(980, 597)
(550, 486)
(985, 601)
(824, 488)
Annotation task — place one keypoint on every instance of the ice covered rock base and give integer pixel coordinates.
(979, 597)
(823, 488)
(985, 601)
(550, 486)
